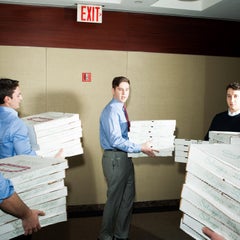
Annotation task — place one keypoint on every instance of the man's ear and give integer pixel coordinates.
(7, 99)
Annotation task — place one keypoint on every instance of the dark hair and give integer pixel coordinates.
(234, 86)
(117, 80)
(7, 87)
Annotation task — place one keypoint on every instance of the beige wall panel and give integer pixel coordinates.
(28, 65)
(67, 93)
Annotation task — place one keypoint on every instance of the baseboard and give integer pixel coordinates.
(75, 211)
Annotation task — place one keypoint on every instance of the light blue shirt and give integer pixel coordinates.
(14, 139)
(6, 188)
(114, 129)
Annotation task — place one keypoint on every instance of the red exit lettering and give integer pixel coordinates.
(89, 13)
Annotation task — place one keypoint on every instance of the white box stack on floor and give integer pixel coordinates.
(40, 184)
(182, 146)
(211, 193)
(224, 137)
(160, 132)
(51, 131)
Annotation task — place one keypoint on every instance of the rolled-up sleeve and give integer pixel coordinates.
(6, 188)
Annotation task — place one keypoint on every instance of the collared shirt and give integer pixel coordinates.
(114, 129)
(234, 113)
(14, 139)
(6, 188)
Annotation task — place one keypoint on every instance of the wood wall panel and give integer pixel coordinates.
(22, 25)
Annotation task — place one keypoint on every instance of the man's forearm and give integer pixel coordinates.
(15, 206)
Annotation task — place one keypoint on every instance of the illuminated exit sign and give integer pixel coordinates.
(89, 13)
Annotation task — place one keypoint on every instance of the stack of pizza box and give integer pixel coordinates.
(181, 148)
(51, 131)
(224, 137)
(40, 184)
(211, 192)
(159, 132)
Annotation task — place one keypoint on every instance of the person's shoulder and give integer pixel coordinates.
(222, 114)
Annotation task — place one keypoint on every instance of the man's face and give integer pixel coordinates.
(233, 100)
(121, 92)
(15, 100)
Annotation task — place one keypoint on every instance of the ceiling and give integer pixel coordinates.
(212, 9)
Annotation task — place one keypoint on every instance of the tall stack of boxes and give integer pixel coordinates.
(211, 193)
(159, 132)
(40, 184)
(51, 131)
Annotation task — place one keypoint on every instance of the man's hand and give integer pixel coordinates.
(147, 149)
(30, 221)
(213, 235)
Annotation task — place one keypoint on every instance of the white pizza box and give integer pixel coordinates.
(214, 195)
(222, 160)
(67, 151)
(223, 137)
(40, 181)
(153, 127)
(207, 220)
(53, 142)
(10, 226)
(189, 229)
(187, 142)
(46, 221)
(179, 147)
(24, 168)
(180, 159)
(184, 144)
(182, 147)
(48, 147)
(72, 133)
(49, 197)
(212, 208)
(5, 218)
(152, 132)
(218, 183)
(56, 129)
(42, 189)
(162, 153)
(157, 140)
(151, 123)
(181, 153)
(50, 120)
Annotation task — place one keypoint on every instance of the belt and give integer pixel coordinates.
(113, 150)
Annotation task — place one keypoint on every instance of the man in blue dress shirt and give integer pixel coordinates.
(14, 139)
(117, 166)
(11, 203)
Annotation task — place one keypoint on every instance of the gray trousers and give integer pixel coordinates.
(118, 170)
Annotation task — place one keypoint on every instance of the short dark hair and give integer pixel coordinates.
(234, 86)
(7, 87)
(117, 80)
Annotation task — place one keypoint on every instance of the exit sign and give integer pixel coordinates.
(89, 13)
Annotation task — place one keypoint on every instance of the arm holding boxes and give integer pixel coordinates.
(13, 204)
